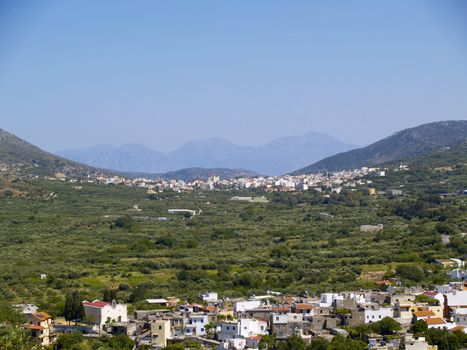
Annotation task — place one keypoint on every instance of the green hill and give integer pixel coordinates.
(21, 155)
(399, 146)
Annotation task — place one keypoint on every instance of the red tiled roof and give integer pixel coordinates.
(429, 293)
(211, 308)
(457, 328)
(304, 306)
(34, 327)
(434, 320)
(98, 304)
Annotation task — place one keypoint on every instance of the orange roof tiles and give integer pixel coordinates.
(424, 313)
(434, 320)
(34, 327)
(280, 309)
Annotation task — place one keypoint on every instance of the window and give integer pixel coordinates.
(160, 327)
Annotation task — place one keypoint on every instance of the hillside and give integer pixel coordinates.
(20, 154)
(399, 146)
(445, 170)
(277, 157)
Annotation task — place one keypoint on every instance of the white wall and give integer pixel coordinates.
(241, 306)
(377, 315)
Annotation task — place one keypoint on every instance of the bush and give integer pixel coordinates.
(410, 272)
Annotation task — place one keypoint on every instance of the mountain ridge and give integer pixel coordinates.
(274, 158)
(401, 145)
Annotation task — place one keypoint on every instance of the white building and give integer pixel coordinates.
(242, 306)
(196, 324)
(243, 328)
(327, 299)
(457, 298)
(26, 309)
(210, 297)
(103, 313)
(460, 316)
(437, 322)
(233, 344)
(416, 343)
(377, 314)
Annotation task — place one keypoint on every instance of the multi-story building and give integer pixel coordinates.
(40, 325)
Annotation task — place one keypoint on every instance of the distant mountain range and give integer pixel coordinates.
(33, 160)
(399, 146)
(277, 157)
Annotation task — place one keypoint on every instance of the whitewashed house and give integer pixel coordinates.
(243, 328)
(103, 313)
(377, 314)
(242, 306)
(210, 297)
(196, 324)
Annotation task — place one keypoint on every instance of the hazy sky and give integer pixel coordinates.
(80, 73)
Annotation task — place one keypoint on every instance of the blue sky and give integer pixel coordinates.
(80, 73)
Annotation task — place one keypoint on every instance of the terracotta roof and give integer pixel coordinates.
(98, 304)
(41, 316)
(34, 327)
(434, 320)
(280, 309)
(211, 308)
(457, 328)
(304, 306)
(424, 313)
(430, 293)
(255, 337)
